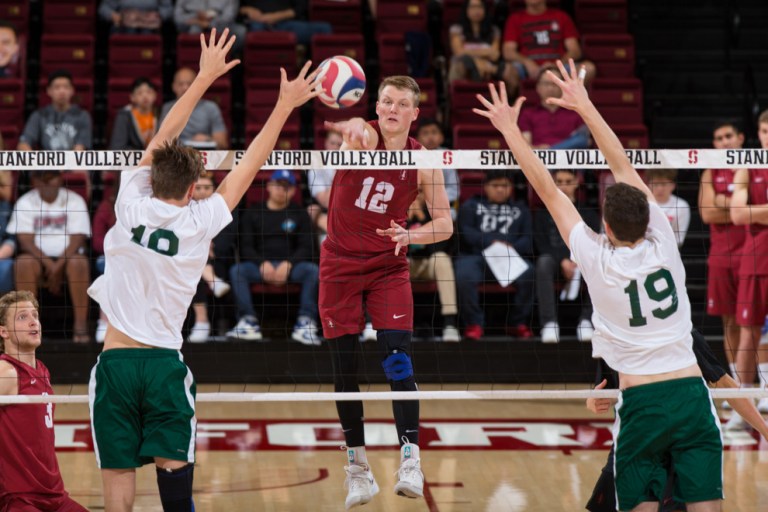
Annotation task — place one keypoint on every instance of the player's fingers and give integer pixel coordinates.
(503, 92)
(552, 76)
(482, 113)
(487, 104)
(232, 64)
(230, 43)
(222, 39)
(283, 75)
(304, 69)
(602, 384)
(555, 101)
(365, 139)
(563, 72)
(519, 102)
(494, 94)
(212, 39)
(572, 69)
(203, 44)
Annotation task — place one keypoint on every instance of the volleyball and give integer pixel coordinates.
(343, 82)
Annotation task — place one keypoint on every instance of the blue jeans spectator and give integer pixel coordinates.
(244, 274)
(471, 270)
(304, 30)
(6, 276)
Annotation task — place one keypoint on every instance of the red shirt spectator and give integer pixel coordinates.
(541, 37)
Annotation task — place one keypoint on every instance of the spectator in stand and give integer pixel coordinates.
(206, 128)
(7, 241)
(554, 263)
(726, 239)
(547, 126)
(60, 125)
(276, 249)
(199, 16)
(430, 135)
(476, 47)
(678, 211)
(540, 35)
(136, 123)
(52, 225)
(320, 181)
(281, 16)
(9, 51)
(431, 262)
(483, 220)
(136, 16)
(210, 282)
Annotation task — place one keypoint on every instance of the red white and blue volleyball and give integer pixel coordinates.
(343, 82)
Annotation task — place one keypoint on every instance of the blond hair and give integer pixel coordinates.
(8, 300)
(763, 119)
(404, 83)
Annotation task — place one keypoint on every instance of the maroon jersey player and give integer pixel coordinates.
(29, 473)
(363, 264)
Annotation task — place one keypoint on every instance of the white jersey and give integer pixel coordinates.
(678, 211)
(155, 256)
(51, 223)
(642, 315)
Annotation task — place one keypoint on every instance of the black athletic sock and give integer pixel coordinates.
(176, 488)
(344, 359)
(450, 321)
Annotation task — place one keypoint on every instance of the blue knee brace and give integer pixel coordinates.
(397, 366)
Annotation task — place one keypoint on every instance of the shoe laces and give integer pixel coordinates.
(358, 477)
(410, 469)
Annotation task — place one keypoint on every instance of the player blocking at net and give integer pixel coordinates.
(642, 316)
(142, 395)
(363, 262)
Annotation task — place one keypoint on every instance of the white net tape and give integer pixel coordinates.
(438, 159)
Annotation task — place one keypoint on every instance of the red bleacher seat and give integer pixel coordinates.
(69, 17)
(188, 51)
(260, 97)
(427, 99)
(132, 55)
(73, 52)
(470, 184)
(76, 182)
(257, 192)
(118, 96)
(477, 136)
(613, 54)
(620, 100)
(288, 139)
(398, 16)
(17, 13)
(632, 136)
(463, 99)
(323, 113)
(11, 102)
(328, 45)
(266, 52)
(220, 92)
(345, 17)
(392, 59)
(10, 134)
(601, 16)
(83, 93)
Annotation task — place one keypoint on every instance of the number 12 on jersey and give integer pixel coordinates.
(378, 203)
(668, 290)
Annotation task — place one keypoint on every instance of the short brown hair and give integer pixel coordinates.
(8, 300)
(661, 174)
(763, 119)
(174, 169)
(625, 210)
(402, 82)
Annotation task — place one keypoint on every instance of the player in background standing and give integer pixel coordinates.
(29, 472)
(141, 392)
(642, 316)
(363, 260)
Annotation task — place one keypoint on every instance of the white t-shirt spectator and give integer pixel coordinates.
(678, 211)
(51, 223)
(320, 180)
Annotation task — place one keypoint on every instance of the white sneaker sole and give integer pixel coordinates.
(298, 337)
(357, 501)
(407, 490)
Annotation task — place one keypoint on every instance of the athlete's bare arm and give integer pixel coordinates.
(574, 97)
(357, 133)
(504, 118)
(293, 93)
(744, 406)
(9, 379)
(213, 64)
(714, 208)
(742, 212)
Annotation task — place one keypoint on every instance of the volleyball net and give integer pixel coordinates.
(504, 366)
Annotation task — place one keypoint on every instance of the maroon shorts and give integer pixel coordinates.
(722, 290)
(382, 282)
(39, 502)
(752, 301)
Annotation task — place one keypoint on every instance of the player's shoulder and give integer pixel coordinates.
(8, 377)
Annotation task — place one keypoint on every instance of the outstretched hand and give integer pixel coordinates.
(354, 132)
(397, 234)
(599, 405)
(213, 57)
(303, 88)
(574, 95)
(502, 115)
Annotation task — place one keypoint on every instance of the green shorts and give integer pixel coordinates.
(671, 422)
(142, 405)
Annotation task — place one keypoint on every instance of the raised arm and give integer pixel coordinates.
(357, 133)
(292, 94)
(575, 98)
(213, 64)
(504, 118)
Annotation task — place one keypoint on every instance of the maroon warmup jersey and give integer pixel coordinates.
(540, 37)
(726, 240)
(27, 458)
(363, 201)
(754, 260)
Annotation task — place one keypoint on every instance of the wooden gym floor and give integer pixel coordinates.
(477, 456)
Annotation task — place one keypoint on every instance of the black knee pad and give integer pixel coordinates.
(175, 486)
